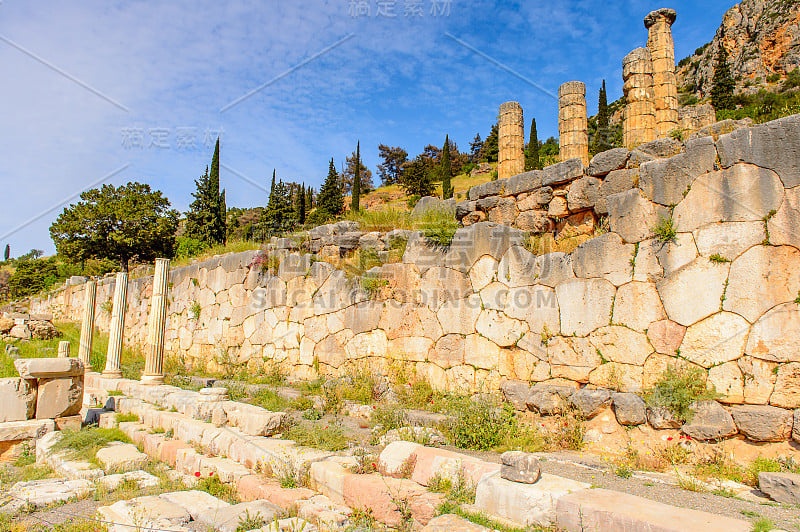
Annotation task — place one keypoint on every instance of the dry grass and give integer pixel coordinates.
(231, 247)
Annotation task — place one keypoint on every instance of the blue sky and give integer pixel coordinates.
(102, 91)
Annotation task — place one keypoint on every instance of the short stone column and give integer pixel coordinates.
(639, 118)
(117, 327)
(510, 141)
(87, 327)
(573, 134)
(662, 52)
(63, 349)
(157, 324)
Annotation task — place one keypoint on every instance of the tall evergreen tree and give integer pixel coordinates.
(300, 204)
(330, 198)
(7, 253)
(491, 148)
(206, 219)
(309, 199)
(279, 213)
(532, 149)
(723, 83)
(602, 136)
(476, 149)
(355, 197)
(392, 166)
(445, 171)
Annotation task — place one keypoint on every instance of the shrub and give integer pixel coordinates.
(677, 134)
(327, 438)
(665, 230)
(441, 234)
(194, 310)
(457, 489)
(772, 78)
(84, 444)
(480, 425)
(188, 247)
(677, 389)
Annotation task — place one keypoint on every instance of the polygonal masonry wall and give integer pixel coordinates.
(614, 313)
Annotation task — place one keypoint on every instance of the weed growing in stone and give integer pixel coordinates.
(480, 425)
(665, 230)
(440, 232)
(677, 389)
(250, 522)
(716, 258)
(798, 298)
(458, 489)
(214, 486)
(763, 525)
(450, 507)
(329, 437)
(194, 310)
(84, 444)
(127, 418)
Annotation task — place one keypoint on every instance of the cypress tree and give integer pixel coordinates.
(601, 141)
(300, 202)
(330, 198)
(206, 219)
(723, 83)
(309, 199)
(491, 148)
(7, 253)
(219, 229)
(532, 150)
(446, 171)
(355, 201)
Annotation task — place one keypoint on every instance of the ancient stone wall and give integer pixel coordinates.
(722, 295)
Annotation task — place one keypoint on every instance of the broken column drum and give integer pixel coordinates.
(662, 52)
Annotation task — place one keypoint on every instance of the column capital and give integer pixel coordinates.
(665, 13)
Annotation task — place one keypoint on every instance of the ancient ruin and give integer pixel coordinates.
(662, 53)
(572, 122)
(511, 140)
(639, 119)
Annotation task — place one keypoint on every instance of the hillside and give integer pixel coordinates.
(762, 38)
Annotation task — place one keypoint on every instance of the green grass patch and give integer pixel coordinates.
(328, 437)
(214, 486)
(665, 230)
(450, 507)
(716, 258)
(84, 444)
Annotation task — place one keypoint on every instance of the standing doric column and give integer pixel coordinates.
(639, 118)
(157, 324)
(117, 327)
(87, 327)
(511, 141)
(573, 135)
(63, 349)
(662, 52)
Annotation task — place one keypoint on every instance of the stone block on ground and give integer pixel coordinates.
(59, 397)
(233, 516)
(709, 422)
(326, 514)
(45, 492)
(452, 523)
(121, 457)
(629, 408)
(763, 423)
(588, 403)
(431, 462)
(516, 393)
(378, 493)
(142, 479)
(18, 398)
(526, 504)
(608, 161)
(520, 467)
(781, 487)
(200, 505)
(25, 430)
(146, 512)
(48, 368)
(396, 456)
(606, 510)
(660, 418)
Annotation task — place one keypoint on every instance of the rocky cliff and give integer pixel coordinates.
(762, 38)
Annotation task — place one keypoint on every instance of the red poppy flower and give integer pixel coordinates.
(197, 474)
(669, 439)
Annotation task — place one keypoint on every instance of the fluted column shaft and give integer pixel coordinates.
(157, 324)
(63, 349)
(117, 326)
(573, 141)
(510, 141)
(665, 87)
(87, 327)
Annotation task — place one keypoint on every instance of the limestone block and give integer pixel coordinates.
(787, 386)
(646, 266)
(558, 208)
(674, 255)
(615, 182)
(629, 409)
(729, 240)
(441, 284)
(761, 278)
(421, 253)
(48, 368)
(524, 182)
(552, 268)
(666, 181)
(583, 193)
(46, 492)
(741, 193)
(452, 523)
(121, 457)
(490, 188)
(18, 398)
(608, 161)
(613, 375)
(637, 306)
(517, 393)
(666, 336)
(377, 493)
(485, 238)
(458, 316)
(573, 352)
(563, 172)
(776, 335)
(516, 268)
(537, 200)
(781, 487)
(605, 256)
(727, 380)
(588, 403)
(759, 379)
(483, 272)
(685, 304)
(412, 348)
(59, 397)
(784, 227)
(25, 430)
(715, 340)
(534, 221)
(526, 504)
(709, 422)
(369, 344)
(633, 216)
(763, 423)
(774, 145)
(520, 467)
(537, 305)
(396, 456)
(584, 304)
(504, 212)
(493, 296)
(601, 509)
(621, 344)
(499, 328)
(201, 506)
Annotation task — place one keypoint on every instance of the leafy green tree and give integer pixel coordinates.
(206, 219)
(445, 171)
(491, 148)
(723, 83)
(355, 194)
(330, 199)
(117, 223)
(392, 166)
(416, 180)
(532, 149)
(32, 276)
